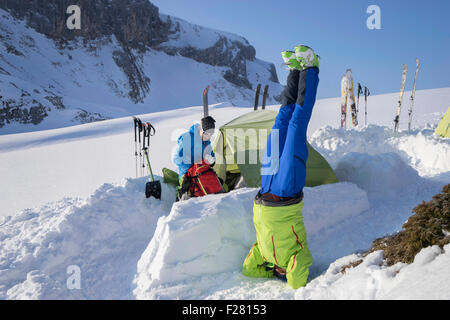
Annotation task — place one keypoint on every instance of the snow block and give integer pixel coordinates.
(328, 204)
(200, 237)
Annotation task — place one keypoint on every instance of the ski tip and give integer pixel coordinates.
(205, 92)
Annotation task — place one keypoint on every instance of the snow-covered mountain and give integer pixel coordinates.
(126, 59)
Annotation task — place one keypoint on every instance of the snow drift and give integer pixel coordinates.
(424, 151)
(103, 236)
(426, 278)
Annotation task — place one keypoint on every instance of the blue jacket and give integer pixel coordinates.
(190, 149)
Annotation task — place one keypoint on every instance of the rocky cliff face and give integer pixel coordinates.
(135, 23)
(138, 28)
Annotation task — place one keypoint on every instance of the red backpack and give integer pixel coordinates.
(203, 180)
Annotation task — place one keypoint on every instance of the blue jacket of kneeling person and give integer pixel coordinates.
(191, 149)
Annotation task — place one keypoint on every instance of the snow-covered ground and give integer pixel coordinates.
(86, 209)
(43, 166)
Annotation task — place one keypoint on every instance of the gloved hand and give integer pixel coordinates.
(209, 159)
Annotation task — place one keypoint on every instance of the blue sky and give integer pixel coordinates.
(337, 30)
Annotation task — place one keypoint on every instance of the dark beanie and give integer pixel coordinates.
(208, 123)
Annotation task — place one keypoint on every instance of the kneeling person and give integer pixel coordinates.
(195, 158)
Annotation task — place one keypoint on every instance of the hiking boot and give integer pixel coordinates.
(306, 57)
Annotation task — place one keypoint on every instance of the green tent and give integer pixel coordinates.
(239, 148)
(443, 128)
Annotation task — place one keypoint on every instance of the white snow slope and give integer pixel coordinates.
(125, 246)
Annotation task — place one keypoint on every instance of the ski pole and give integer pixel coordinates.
(359, 92)
(144, 148)
(135, 144)
(139, 123)
(150, 131)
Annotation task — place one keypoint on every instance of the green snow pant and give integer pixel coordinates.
(280, 241)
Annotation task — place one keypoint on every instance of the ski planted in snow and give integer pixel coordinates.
(258, 90)
(413, 93)
(265, 92)
(351, 93)
(205, 102)
(344, 95)
(366, 94)
(402, 90)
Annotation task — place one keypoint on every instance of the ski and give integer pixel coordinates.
(205, 102)
(258, 90)
(402, 90)
(344, 94)
(351, 93)
(265, 92)
(366, 94)
(412, 96)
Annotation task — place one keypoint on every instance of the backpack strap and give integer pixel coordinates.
(199, 185)
(202, 173)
